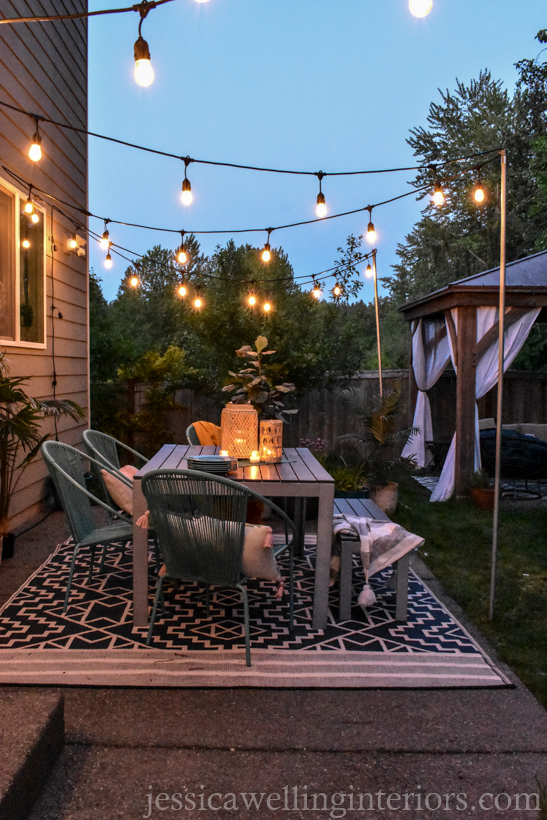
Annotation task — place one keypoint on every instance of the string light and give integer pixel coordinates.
(181, 290)
(25, 243)
(34, 218)
(181, 255)
(251, 296)
(321, 207)
(73, 242)
(29, 206)
(316, 290)
(105, 238)
(198, 301)
(144, 73)
(438, 196)
(371, 233)
(267, 306)
(186, 196)
(368, 271)
(108, 260)
(35, 150)
(134, 281)
(420, 8)
(479, 190)
(267, 252)
(337, 290)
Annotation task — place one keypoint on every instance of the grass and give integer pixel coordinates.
(458, 543)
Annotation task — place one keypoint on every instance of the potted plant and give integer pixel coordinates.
(480, 490)
(20, 423)
(379, 440)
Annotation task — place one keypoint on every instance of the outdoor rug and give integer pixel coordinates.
(95, 643)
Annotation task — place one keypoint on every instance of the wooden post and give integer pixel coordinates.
(465, 399)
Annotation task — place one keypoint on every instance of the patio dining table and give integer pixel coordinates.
(299, 476)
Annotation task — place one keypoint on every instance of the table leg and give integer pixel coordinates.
(322, 560)
(140, 560)
(299, 523)
(401, 594)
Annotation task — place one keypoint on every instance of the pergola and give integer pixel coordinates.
(454, 316)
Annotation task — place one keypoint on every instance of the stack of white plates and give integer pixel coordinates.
(212, 464)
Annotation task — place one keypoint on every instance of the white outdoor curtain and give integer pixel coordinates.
(430, 355)
(486, 376)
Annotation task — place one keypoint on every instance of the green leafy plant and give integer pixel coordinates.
(479, 480)
(20, 429)
(259, 384)
(381, 436)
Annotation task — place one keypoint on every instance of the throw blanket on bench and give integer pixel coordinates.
(382, 543)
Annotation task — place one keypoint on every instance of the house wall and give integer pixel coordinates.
(43, 69)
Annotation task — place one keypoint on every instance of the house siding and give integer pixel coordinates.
(43, 69)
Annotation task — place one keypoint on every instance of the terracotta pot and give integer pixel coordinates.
(483, 497)
(386, 497)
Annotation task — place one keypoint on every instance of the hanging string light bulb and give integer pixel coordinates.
(267, 251)
(105, 240)
(181, 290)
(420, 8)
(321, 207)
(368, 271)
(144, 73)
(134, 282)
(316, 290)
(34, 218)
(251, 296)
(181, 255)
(371, 233)
(108, 259)
(25, 243)
(35, 150)
(186, 196)
(198, 301)
(438, 195)
(29, 205)
(267, 306)
(337, 291)
(479, 190)
(73, 242)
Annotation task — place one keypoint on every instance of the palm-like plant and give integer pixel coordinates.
(20, 428)
(380, 436)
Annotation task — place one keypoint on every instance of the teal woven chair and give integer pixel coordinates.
(67, 473)
(105, 449)
(200, 523)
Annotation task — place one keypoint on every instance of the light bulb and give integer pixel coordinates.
(202, 1)
(35, 218)
(108, 260)
(316, 292)
(266, 307)
(182, 256)
(438, 196)
(420, 8)
(197, 302)
(35, 150)
(321, 209)
(29, 207)
(371, 233)
(25, 243)
(104, 241)
(186, 196)
(479, 193)
(252, 300)
(266, 253)
(368, 271)
(182, 290)
(337, 290)
(134, 281)
(144, 73)
(73, 243)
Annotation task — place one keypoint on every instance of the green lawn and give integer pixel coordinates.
(458, 542)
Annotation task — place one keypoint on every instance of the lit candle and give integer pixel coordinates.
(224, 453)
(255, 457)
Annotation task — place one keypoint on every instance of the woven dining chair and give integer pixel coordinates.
(105, 449)
(67, 473)
(200, 524)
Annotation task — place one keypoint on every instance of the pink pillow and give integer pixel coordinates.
(119, 492)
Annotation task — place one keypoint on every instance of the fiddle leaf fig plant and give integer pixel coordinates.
(258, 383)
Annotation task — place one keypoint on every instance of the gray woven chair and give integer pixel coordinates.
(66, 470)
(104, 449)
(200, 523)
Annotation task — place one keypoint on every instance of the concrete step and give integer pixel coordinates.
(31, 740)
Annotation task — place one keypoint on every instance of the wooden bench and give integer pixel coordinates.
(351, 545)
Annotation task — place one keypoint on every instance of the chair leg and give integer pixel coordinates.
(247, 632)
(159, 594)
(91, 562)
(101, 565)
(401, 593)
(291, 589)
(344, 579)
(207, 600)
(156, 552)
(70, 574)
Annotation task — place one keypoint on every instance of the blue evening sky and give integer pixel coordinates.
(331, 85)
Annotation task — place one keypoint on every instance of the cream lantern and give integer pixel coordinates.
(239, 430)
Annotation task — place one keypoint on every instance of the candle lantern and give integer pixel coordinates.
(239, 429)
(271, 441)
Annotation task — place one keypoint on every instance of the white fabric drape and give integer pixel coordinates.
(430, 355)
(486, 376)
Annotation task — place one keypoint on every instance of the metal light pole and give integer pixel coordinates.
(375, 275)
(501, 356)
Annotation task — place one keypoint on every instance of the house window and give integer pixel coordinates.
(22, 271)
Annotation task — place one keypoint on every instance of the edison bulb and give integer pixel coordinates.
(25, 243)
(267, 307)
(438, 196)
(420, 8)
(479, 194)
(368, 272)
(266, 254)
(186, 196)
(144, 73)
(73, 243)
(337, 290)
(182, 290)
(197, 302)
(134, 281)
(29, 207)
(35, 151)
(371, 233)
(108, 261)
(252, 300)
(321, 210)
(35, 218)
(104, 241)
(182, 257)
(316, 293)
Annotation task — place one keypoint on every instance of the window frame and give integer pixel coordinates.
(20, 199)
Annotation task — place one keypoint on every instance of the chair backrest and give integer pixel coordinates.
(102, 447)
(203, 432)
(200, 523)
(191, 435)
(76, 504)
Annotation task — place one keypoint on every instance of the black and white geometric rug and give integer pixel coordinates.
(95, 643)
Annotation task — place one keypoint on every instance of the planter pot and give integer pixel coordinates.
(386, 497)
(364, 493)
(8, 545)
(483, 497)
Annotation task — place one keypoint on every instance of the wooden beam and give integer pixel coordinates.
(465, 398)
